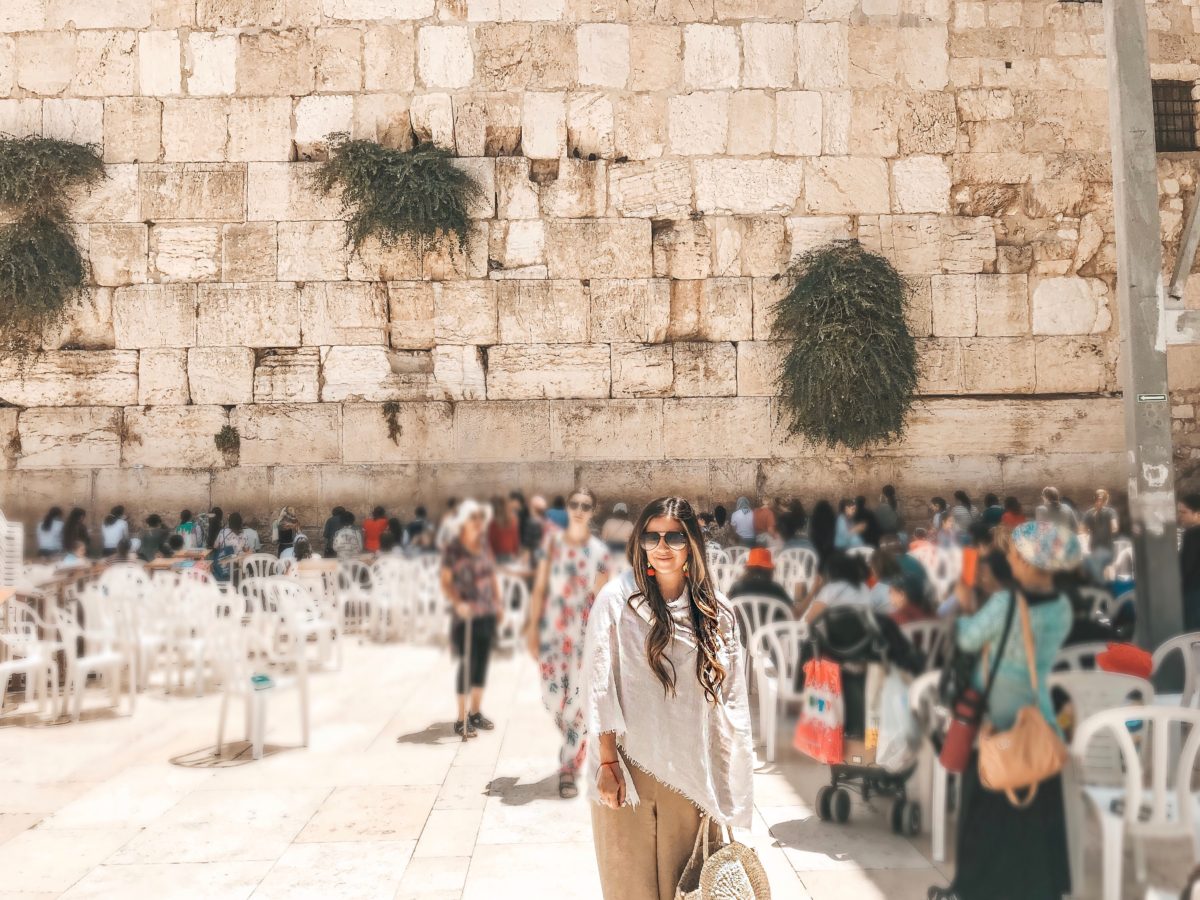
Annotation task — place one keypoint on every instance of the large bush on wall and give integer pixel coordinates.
(415, 196)
(42, 272)
(850, 373)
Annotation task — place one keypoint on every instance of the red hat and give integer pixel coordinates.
(760, 558)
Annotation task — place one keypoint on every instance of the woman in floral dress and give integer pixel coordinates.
(572, 568)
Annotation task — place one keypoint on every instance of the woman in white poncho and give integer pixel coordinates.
(666, 701)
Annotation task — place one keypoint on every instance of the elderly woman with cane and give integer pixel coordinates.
(469, 582)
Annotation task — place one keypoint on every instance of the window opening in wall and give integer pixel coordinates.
(1174, 116)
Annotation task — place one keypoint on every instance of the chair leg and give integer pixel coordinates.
(1113, 834)
(1139, 859)
(257, 702)
(221, 720)
(938, 811)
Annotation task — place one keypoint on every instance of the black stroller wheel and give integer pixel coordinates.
(841, 806)
(898, 816)
(912, 818)
(824, 796)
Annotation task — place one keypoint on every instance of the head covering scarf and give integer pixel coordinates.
(743, 503)
(1047, 546)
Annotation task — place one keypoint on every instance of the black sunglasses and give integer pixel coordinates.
(580, 504)
(676, 540)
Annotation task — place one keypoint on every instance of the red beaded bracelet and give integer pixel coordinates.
(615, 762)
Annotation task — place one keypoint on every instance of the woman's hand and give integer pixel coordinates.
(462, 610)
(611, 785)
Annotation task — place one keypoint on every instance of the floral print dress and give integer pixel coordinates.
(570, 592)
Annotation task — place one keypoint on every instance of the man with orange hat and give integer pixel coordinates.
(758, 578)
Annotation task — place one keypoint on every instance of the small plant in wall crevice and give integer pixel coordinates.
(42, 272)
(229, 442)
(849, 376)
(391, 415)
(416, 196)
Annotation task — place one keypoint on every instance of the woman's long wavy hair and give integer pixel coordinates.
(705, 612)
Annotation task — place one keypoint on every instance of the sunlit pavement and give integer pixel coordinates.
(384, 803)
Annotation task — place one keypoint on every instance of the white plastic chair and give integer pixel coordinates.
(102, 657)
(715, 556)
(1100, 601)
(433, 610)
(775, 656)
(1090, 693)
(753, 612)
(1080, 657)
(738, 554)
(29, 655)
(930, 638)
(1122, 568)
(724, 575)
(795, 566)
(388, 577)
(1188, 647)
(926, 705)
(1154, 802)
(258, 565)
(947, 566)
(353, 595)
(514, 593)
(12, 552)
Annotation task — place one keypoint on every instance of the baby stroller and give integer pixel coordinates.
(854, 638)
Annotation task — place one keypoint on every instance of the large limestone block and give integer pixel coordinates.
(376, 374)
(153, 315)
(579, 192)
(517, 432)
(260, 128)
(275, 63)
(160, 73)
(640, 127)
(920, 184)
(939, 366)
(928, 123)
(544, 125)
(293, 433)
(1003, 304)
(643, 370)
(132, 130)
(488, 125)
(432, 118)
(713, 309)
(426, 433)
(758, 366)
(185, 253)
(912, 243)
(1070, 305)
(317, 117)
(683, 250)
(591, 429)
(655, 189)
(389, 58)
(377, 10)
(213, 64)
(173, 437)
(105, 64)
(516, 193)
(288, 376)
(248, 315)
(655, 61)
(83, 437)
(350, 313)
(711, 57)
(87, 326)
(955, 305)
(257, 13)
(221, 376)
(465, 312)
(751, 123)
(21, 116)
(118, 253)
(705, 369)
(542, 312)
(80, 121)
(698, 123)
(162, 378)
(768, 55)
(846, 185)
(806, 233)
(1071, 365)
(45, 62)
(103, 14)
(249, 252)
(599, 248)
(204, 192)
(749, 186)
(998, 366)
(603, 54)
(458, 372)
(283, 192)
(71, 378)
(822, 55)
(630, 310)
(740, 427)
(23, 15)
(444, 56)
(411, 316)
(798, 123)
(312, 251)
(968, 243)
(918, 312)
(519, 248)
(532, 371)
(115, 199)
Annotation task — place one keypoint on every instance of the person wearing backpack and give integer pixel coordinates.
(1014, 844)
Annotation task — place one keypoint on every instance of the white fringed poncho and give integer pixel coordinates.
(700, 749)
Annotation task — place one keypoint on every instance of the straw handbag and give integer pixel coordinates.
(731, 871)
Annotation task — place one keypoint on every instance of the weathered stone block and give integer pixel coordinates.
(458, 372)
(195, 130)
(758, 365)
(806, 233)
(288, 376)
(260, 128)
(918, 313)
(88, 324)
(543, 125)
(115, 199)
(71, 378)
(658, 189)
(643, 370)
(377, 10)
(444, 56)
(518, 245)
(714, 309)
(749, 185)
(411, 315)
(698, 123)
(132, 130)
(118, 253)
(21, 116)
(502, 431)
(23, 15)
(939, 366)
(45, 62)
(79, 121)
(846, 185)
(275, 63)
(655, 60)
(426, 433)
(377, 374)
(925, 57)
(751, 123)
(920, 184)
(683, 250)
(465, 312)
(998, 366)
(221, 375)
(531, 371)
(798, 123)
(212, 60)
(350, 313)
(640, 127)
(603, 54)
(248, 315)
(1070, 365)
(600, 248)
(248, 252)
(912, 243)
(768, 54)
(104, 64)
(312, 251)
(273, 434)
(630, 310)
(1003, 303)
(822, 55)
(432, 118)
(968, 244)
(542, 312)
(585, 429)
(172, 437)
(338, 55)
(744, 424)
(284, 192)
(954, 305)
(928, 123)
(317, 117)
(389, 58)
(590, 126)
(153, 315)
(162, 378)
(516, 194)
(188, 253)
(1070, 305)
(83, 437)
(711, 57)
(704, 369)
(201, 192)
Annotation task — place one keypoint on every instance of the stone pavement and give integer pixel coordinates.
(384, 803)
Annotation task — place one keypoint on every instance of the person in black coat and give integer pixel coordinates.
(1189, 559)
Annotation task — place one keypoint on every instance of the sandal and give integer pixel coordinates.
(566, 786)
(940, 893)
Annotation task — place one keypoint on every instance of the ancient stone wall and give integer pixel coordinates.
(650, 167)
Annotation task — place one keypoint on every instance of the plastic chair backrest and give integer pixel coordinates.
(738, 555)
(716, 556)
(1080, 657)
(929, 637)
(259, 565)
(1094, 692)
(1101, 602)
(724, 575)
(778, 643)
(12, 552)
(1147, 807)
(514, 594)
(1123, 562)
(945, 571)
(754, 611)
(1188, 646)
(354, 576)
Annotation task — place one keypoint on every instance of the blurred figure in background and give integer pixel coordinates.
(1054, 510)
(75, 532)
(822, 529)
(113, 530)
(887, 513)
(1101, 524)
(504, 532)
(1188, 510)
(722, 531)
(742, 521)
(758, 579)
(50, 533)
(557, 513)
(347, 543)
(765, 526)
(993, 512)
(616, 529)
(418, 533)
(188, 530)
(446, 527)
(848, 533)
(1014, 515)
(153, 538)
(216, 524)
(373, 528)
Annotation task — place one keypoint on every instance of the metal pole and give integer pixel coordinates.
(1189, 241)
(1140, 298)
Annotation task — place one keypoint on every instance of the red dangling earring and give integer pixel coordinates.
(650, 571)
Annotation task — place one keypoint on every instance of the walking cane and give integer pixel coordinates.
(466, 677)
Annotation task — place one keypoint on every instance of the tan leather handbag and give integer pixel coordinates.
(1029, 752)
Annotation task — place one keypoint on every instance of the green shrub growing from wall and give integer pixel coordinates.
(415, 196)
(850, 373)
(42, 272)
